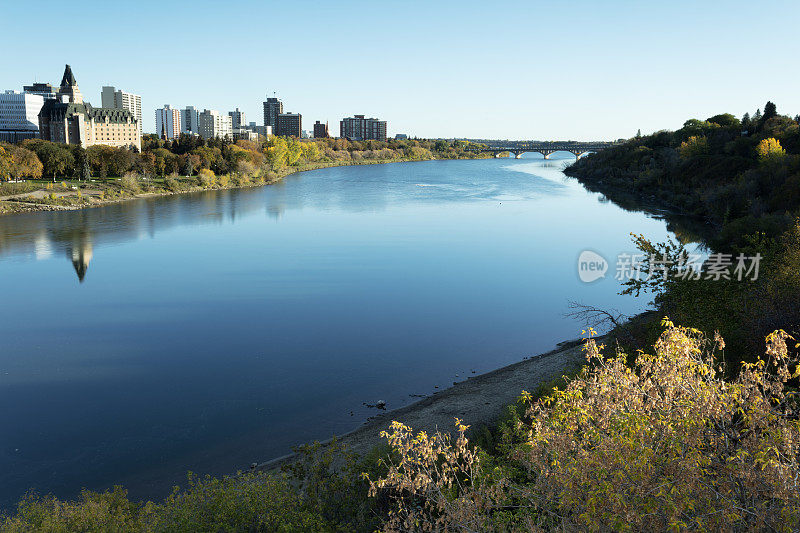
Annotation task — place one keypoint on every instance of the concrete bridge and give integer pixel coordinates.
(546, 148)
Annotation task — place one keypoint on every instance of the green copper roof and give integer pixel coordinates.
(69, 78)
(55, 110)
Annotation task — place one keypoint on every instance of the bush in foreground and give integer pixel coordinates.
(245, 503)
(665, 445)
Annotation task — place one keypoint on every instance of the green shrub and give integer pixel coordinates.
(7, 189)
(109, 511)
(130, 183)
(248, 502)
(171, 184)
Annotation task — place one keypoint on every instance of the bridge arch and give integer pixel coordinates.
(546, 148)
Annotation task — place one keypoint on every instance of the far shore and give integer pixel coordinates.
(477, 401)
(19, 206)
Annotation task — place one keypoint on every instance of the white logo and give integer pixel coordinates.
(591, 266)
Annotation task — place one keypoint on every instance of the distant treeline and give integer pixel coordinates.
(187, 155)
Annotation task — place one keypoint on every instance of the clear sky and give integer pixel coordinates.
(526, 69)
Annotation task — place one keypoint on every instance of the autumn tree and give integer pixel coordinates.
(694, 146)
(770, 150)
(23, 163)
(5, 163)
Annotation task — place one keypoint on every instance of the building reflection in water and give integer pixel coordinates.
(80, 253)
(77, 234)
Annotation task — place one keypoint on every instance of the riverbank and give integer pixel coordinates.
(94, 193)
(478, 401)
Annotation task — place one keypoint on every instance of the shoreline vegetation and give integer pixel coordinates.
(657, 427)
(49, 176)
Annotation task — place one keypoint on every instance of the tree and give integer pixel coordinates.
(86, 171)
(725, 120)
(694, 146)
(698, 127)
(188, 170)
(770, 110)
(5, 164)
(56, 159)
(23, 163)
(770, 149)
(746, 121)
(639, 133)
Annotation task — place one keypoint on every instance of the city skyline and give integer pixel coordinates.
(516, 71)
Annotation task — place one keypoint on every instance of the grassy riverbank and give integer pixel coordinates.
(50, 176)
(40, 195)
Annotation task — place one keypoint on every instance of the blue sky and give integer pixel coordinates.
(519, 70)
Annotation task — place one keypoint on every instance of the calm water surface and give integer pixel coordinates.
(216, 329)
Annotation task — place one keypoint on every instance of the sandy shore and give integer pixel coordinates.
(478, 400)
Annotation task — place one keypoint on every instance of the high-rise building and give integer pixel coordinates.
(359, 128)
(320, 130)
(272, 108)
(237, 119)
(113, 99)
(289, 125)
(19, 116)
(168, 122)
(212, 123)
(70, 120)
(190, 119)
(45, 90)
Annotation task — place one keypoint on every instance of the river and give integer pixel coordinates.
(210, 330)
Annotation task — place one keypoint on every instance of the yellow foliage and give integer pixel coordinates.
(693, 146)
(667, 444)
(206, 178)
(770, 149)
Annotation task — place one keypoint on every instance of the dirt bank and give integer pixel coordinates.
(478, 400)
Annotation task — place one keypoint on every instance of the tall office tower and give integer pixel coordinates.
(272, 108)
(289, 125)
(113, 99)
(45, 90)
(168, 122)
(190, 118)
(212, 123)
(19, 116)
(321, 130)
(237, 119)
